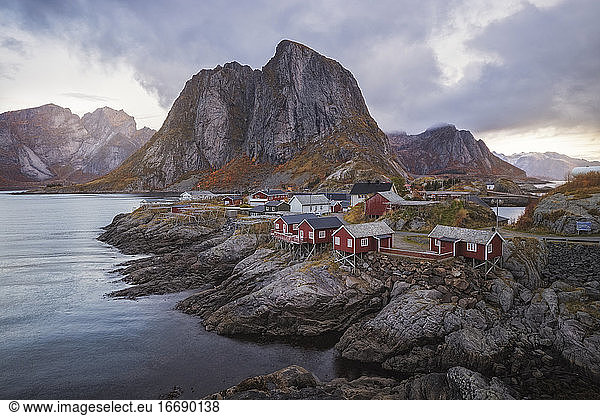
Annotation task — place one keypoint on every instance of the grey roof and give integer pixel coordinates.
(258, 208)
(344, 203)
(393, 197)
(369, 229)
(464, 234)
(274, 203)
(312, 199)
(296, 218)
(275, 192)
(235, 197)
(201, 193)
(370, 188)
(322, 223)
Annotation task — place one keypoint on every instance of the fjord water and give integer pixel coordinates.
(61, 337)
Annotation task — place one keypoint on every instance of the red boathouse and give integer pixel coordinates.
(484, 246)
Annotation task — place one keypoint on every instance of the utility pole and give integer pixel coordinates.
(497, 209)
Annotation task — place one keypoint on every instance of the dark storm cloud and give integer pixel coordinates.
(547, 69)
(548, 72)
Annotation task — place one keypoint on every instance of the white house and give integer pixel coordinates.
(186, 196)
(316, 204)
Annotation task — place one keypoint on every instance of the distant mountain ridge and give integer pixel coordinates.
(548, 165)
(50, 143)
(300, 121)
(447, 150)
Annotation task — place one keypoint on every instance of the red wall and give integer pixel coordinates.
(496, 247)
(444, 247)
(376, 205)
(356, 248)
(461, 250)
(259, 195)
(306, 228)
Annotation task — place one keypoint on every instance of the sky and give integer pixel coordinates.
(521, 75)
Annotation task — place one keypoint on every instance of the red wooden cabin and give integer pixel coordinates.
(318, 230)
(235, 200)
(362, 238)
(382, 202)
(288, 224)
(483, 245)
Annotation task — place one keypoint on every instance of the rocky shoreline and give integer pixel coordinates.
(532, 329)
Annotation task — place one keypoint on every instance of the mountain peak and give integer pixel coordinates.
(299, 111)
(447, 150)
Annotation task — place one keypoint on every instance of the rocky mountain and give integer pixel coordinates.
(49, 143)
(548, 165)
(446, 149)
(300, 120)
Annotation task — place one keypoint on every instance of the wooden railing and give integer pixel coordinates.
(288, 238)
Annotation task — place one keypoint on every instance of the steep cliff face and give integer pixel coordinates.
(242, 125)
(449, 150)
(51, 143)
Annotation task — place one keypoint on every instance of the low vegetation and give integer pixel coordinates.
(454, 213)
(581, 186)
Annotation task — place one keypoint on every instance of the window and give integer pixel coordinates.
(277, 226)
(349, 242)
(336, 240)
(489, 248)
(301, 234)
(285, 228)
(321, 234)
(364, 242)
(295, 227)
(311, 235)
(436, 243)
(471, 247)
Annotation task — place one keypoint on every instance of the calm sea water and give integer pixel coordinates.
(61, 337)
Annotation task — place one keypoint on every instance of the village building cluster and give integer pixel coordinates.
(309, 223)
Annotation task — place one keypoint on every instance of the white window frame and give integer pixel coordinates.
(277, 226)
(490, 248)
(295, 226)
(436, 242)
(301, 234)
(322, 234)
(311, 235)
(336, 240)
(364, 242)
(472, 247)
(349, 243)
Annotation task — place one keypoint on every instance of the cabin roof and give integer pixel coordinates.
(296, 218)
(258, 208)
(274, 203)
(312, 199)
(271, 192)
(323, 223)
(369, 229)
(234, 197)
(370, 188)
(337, 196)
(464, 234)
(393, 197)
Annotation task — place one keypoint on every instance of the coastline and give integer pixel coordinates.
(249, 290)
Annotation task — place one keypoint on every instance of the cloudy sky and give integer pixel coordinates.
(522, 75)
